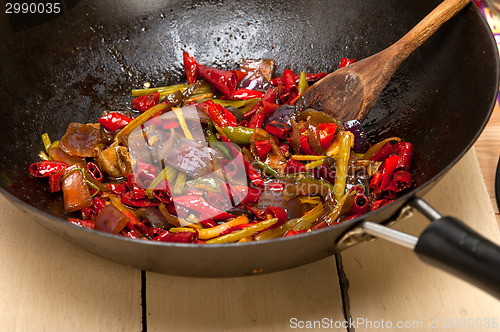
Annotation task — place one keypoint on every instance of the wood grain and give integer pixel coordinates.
(257, 303)
(488, 152)
(47, 284)
(389, 282)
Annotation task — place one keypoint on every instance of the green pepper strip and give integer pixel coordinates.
(314, 164)
(161, 89)
(46, 141)
(214, 183)
(238, 235)
(302, 85)
(267, 169)
(238, 135)
(342, 165)
(215, 143)
(167, 173)
(84, 178)
(140, 120)
(307, 219)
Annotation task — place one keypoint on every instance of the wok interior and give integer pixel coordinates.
(88, 60)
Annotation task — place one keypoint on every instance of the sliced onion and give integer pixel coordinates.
(361, 144)
(110, 220)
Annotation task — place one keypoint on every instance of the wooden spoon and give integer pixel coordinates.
(349, 92)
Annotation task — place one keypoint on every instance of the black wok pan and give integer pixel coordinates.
(88, 59)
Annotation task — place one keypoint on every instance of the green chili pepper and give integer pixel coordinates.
(243, 105)
(213, 142)
(214, 183)
(238, 235)
(302, 84)
(267, 169)
(238, 135)
(46, 141)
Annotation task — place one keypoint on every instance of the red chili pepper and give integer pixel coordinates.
(257, 120)
(309, 76)
(130, 234)
(143, 103)
(223, 80)
(55, 181)
(305, 147)
(320, 225)
(253, 195)
(284, 148)
(145, 171)
(117, 188)
(405, 152)
(268, 108)
(289, 82)
(191, 67)
(82, 223)
(114, 121)
(94, 171)
(253, 175)
(283, 94)
(360, 204)
(46, 167)
(379, 203)
(346, 62)
(279, 129)
(389, 191)
(389, 168)
(258, 213)
(375, 181)
(198, 204)
(130, 199)
(276, 212)
(241, 75)
(292, 232)
(246, 94)
(294, 166)
(326, 134)
(325, 173)
(277, 186)
(263, 148)
(402, 180)
(384, 152)
(162, 193)
(182, 237)
(98, 204)
(270, 95)
(221, 116)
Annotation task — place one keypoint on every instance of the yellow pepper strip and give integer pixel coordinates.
(312, 216)
(181, 229)
(43, 156)
(306, 157)
(308, 218)
(374, 149)
(334, 147)
(302, 85)
(46, 141)
(210, 233)
(161, 90)
(182, 122)
(192, 218)
(168, 173)
(314, 164)
(342, 165)
(180, 181)
(310, 200)
(246, 239)
(198, 98)
(139, 120)
(238, 235)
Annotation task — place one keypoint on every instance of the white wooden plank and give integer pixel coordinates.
(47, 284)
(261, 303)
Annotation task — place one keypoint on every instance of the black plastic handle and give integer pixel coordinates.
(450, 245)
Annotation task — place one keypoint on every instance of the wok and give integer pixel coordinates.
(69, 67)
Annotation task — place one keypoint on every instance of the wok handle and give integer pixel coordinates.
(450, 245)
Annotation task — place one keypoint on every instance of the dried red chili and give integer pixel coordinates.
(114, 121)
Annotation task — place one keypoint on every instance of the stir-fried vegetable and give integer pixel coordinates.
(224, 158)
